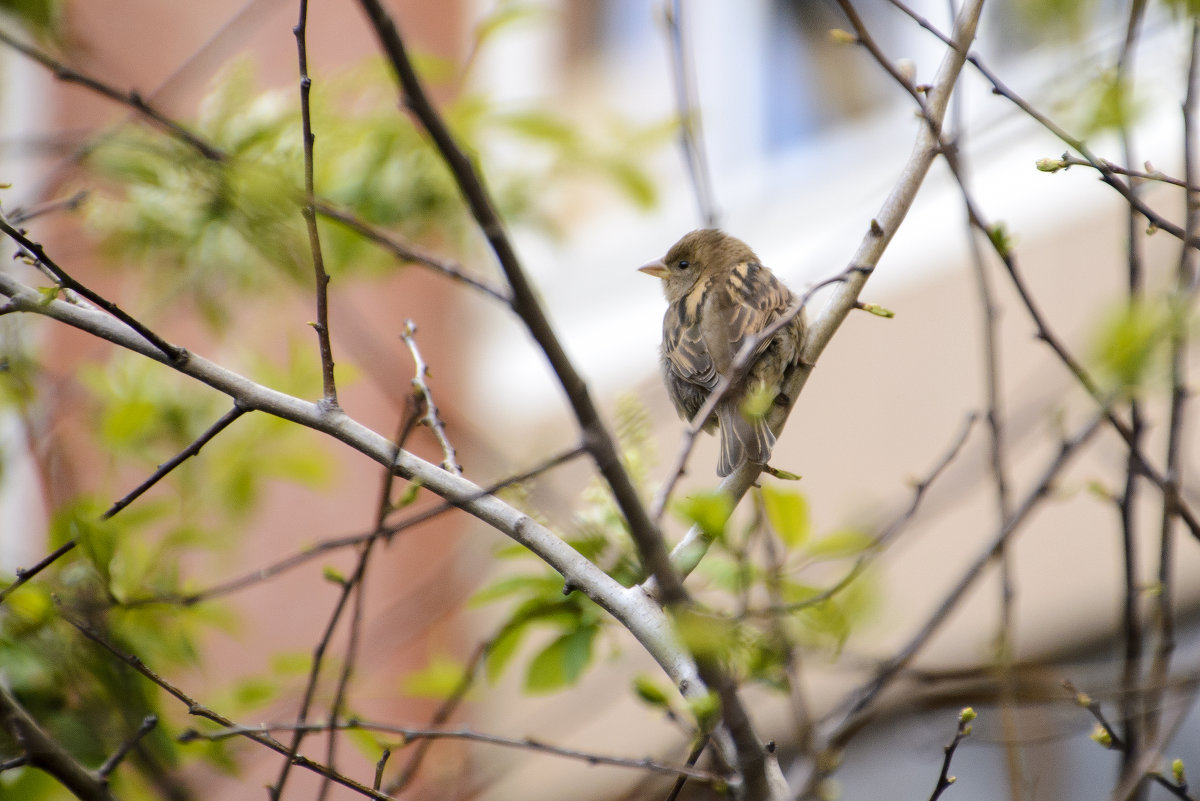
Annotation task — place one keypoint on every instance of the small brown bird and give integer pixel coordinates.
(720, 296)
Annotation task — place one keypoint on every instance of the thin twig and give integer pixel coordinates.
(45, 753)
(421, 387)
(321, 277)
(383, 506)
(858, 707)
(691, 131)
(1113, 737)
(1178, 790)
(1044, 332)
(1180, 308)
(200, 710)
(997, 461)
(527, 306)
(24, 575)
(441, 715)
(348, 587)
(110, 764)
(173, 354)
(350, 540)
(961, 733)
(15, 762)
(1066, 161)
(179, 458)
(131, 99)
(19, 216)
(411, 734)
(407, 252)
(379, 766)
(887, 535)
(1108, 176)
(1132, 714)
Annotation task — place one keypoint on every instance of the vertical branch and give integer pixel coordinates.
(424, 396)
(997, 458)
(329, 394)
(408, 421)
(1185, 283)
(1131, 624)
(691, 132)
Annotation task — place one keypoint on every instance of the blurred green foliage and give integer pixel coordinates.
(42, 17)
(752, 610)
(224, 237)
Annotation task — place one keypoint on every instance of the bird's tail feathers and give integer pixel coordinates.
(742, 439)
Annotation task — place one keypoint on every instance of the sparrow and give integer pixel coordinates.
(719, 296)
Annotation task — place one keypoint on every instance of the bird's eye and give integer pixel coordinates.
(683, 265)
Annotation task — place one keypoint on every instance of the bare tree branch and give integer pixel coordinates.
(412, 734)
(176, 460)
(527, 306)
(44, 753)
(321, 282)
(420, 386)
(687, 106)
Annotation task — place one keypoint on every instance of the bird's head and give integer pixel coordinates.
(701, 253)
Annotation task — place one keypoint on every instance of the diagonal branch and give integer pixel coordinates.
(176, 460)
(45, 754)
(132, 99)
(691, 548)
(172, 353)
(527, 306)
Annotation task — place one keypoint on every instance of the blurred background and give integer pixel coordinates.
(570, 108)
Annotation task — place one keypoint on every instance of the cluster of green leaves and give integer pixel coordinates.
(773, 595)
(213, 235)
(230, 228)
(754, 609)
(125, 577)
(600, 533)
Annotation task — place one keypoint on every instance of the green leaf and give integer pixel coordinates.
(505, 15)
(708, 510)
(540, 125)
(706, 710)
(366, 742)
(1110, 104)
(502, 650)
(1126, 344)
(548, 586)
(706, 635)
(787, 512)
(649, 691)
(294, 663)
(839, 544)
(561, 663)
(438, 680)
(409, 496)
(1001, 241)
(254, 693)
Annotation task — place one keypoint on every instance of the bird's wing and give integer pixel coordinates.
(685, 352)
(756, 299)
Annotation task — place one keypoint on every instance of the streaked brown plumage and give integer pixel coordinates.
(719, 296)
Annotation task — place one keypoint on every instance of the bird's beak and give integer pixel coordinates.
(655, 268)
